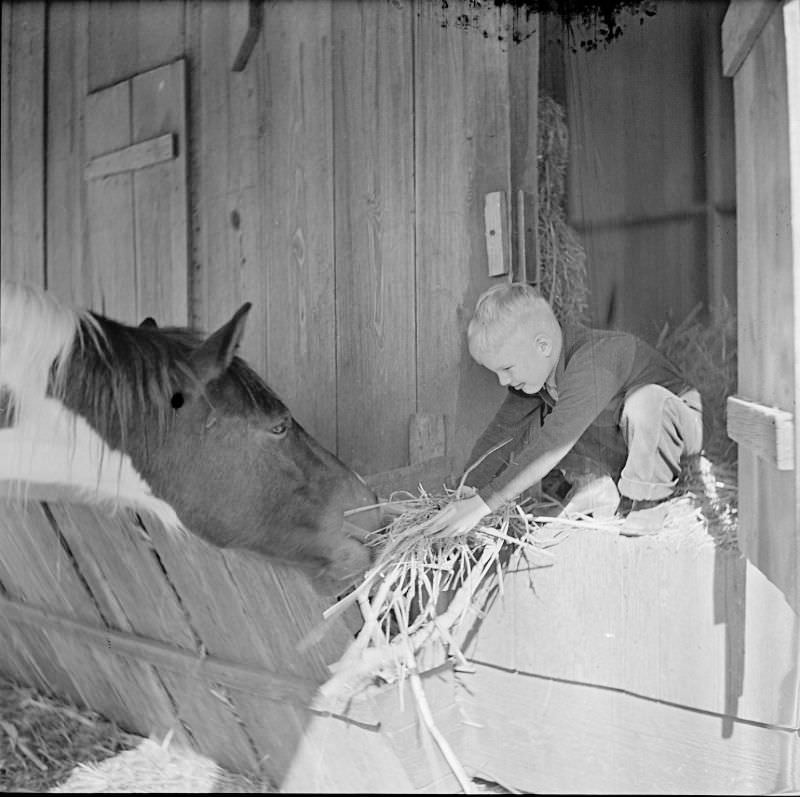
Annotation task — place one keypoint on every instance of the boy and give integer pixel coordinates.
(603, 406)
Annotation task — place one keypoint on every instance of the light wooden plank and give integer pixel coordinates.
(111, 242)
(158, 105)
(67, 216)
(136, 156)
(24, 257)
(6, 10)
(374, 190)
(554, 737)
(767, 431)
(743, 23)
(769, 500)
(664, 617)
(298, 204)
(461, 133)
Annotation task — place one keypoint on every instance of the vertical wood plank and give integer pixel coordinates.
(24, 143)
(68, 34)
(6, 11)
(111, 238)
(374, 190)
(462, 153)
(768, 273)
(299, 212)
(158, 106)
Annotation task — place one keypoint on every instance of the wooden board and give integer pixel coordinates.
(667, 619)
(67, 82)
(555, 737)
(23, 131)
(373, 138)
(462, 153)
(768, 279)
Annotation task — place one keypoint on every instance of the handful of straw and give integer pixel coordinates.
(417, 570)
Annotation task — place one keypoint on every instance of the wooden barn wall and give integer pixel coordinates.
(337, 182)
(651, 180)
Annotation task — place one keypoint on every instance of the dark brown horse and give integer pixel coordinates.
(201, 428)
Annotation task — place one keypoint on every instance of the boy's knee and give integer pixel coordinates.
(645, 404)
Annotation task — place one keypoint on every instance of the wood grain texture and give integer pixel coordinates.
(555, 737)
(462, 153)
(374, 166)
(743, 23)
(23, 252)
(67, 258)
(766, 431)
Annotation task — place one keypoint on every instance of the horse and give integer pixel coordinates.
(173, 422)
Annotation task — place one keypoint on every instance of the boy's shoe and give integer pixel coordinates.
(642, 518)
(597, 496)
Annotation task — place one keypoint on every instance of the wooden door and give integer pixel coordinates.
(136, 197)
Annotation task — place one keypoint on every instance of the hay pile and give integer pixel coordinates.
(43, 738)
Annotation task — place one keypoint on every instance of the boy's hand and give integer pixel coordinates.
(460, 516)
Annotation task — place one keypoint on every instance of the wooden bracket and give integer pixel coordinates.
(498, 246)
(246, 25)
(766, 431)
(426, 437)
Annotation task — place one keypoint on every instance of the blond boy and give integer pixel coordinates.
(604, 407)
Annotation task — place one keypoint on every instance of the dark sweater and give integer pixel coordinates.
(595, 371)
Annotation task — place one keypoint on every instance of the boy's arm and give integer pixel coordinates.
(513, 415)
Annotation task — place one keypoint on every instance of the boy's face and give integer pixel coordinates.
(520, 360)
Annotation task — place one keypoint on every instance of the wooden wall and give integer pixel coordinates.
(337, 182)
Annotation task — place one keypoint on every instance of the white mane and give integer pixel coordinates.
(48, 446)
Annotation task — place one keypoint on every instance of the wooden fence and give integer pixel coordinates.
(164, 632)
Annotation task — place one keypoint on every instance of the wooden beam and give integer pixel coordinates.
(426, 437)
(768, 432)
(744, 21)
(270, 685)
(136, 156)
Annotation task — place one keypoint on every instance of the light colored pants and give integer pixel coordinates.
(658, 429)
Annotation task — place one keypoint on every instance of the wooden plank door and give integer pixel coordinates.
(761, 51)
(136, 197)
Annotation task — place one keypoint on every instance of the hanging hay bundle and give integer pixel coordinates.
(562, 276)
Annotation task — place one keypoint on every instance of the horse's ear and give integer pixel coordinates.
(217, 351)
(149, 322)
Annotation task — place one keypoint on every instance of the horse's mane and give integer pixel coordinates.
(121, 372)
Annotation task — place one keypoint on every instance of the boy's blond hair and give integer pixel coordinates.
(504, 307)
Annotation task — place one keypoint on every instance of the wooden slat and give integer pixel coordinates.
(136, 156)
(23, 143)
(111, 242)
(766, 431)
(427, 437)
(373, 139)
(462, 145)
(158, 108)
(550, 736)
(67, 216)
(743, 23)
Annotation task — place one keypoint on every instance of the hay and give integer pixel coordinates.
(705, 352)
(562, 275)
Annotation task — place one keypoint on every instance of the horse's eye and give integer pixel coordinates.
(279, 429)
(176, 401)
